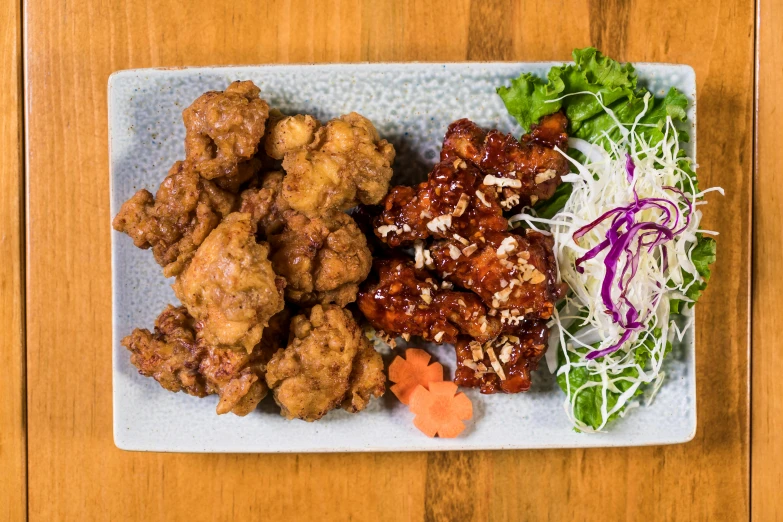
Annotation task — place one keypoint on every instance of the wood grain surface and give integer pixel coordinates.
(13, 480)
(74, 470)
(767, 425)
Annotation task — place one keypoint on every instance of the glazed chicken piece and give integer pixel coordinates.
(286, 134)
(408, 301)
(264, 201)
(451, 204)
(522, 172)
(328, 363)
(224, 129)
(230, 287)
(505, 363)
(323, 260)
(174, 357)
(178, 219)
(513, 274)
(347, 163)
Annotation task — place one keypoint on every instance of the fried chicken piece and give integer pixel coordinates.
(230, 287)
(224, 129)
(503, 364)
(323, 260)
(347, 163)
(264, 201)
(171, 355)
(514, 274)
(523, 171)
(286, 134)
(174, 223)
(452, 203)
(245, 171)
(180, 362)
(408, 301)
(328, 363)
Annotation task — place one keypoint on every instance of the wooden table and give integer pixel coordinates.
(57, 458)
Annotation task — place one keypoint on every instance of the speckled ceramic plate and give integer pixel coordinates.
(411, 104)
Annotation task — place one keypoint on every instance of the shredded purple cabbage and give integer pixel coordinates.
(624, 241)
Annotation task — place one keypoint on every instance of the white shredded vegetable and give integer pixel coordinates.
(600, 184)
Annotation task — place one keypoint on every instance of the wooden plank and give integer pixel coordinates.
(13, 453)
(767, 451)
(75, 471)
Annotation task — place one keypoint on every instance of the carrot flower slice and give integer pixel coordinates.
(413, 371)
(439, 411)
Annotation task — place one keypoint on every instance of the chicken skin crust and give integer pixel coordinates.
(407, 301)
(176, 221)
(347, 163)
(512, 273)
(230, 286)
(523, 172)
(452, 203)
(179, 361)
(286, 134)
(224, 129)
(328, 363)
(323, 260)
(265, 203)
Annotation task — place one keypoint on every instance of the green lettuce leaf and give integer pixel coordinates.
(529, 98)
(588, 403)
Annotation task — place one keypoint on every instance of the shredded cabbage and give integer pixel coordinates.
(624, 244)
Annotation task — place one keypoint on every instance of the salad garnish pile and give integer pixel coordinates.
(625, 224)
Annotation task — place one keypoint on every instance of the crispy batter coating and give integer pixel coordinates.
(286, 134)
(323, 260)
(224, 129)
(174, 357)
(516, 354)
(512, 273)
(451, 201)
(174, 223)
(531, 165)
(264, 201)
(230, 287)
(346, 164)
(408, 301)
(328, 363)
(171, 355)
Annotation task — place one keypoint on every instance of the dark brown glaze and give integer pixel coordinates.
(448, 196)
(516, 277)
(527, 345)
(532, 161)
(406, 300)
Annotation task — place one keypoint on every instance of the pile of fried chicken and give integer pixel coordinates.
(253, 226)
(472, 281)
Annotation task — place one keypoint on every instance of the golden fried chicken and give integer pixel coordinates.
(286, 134)
(174, 357)
(230, 287)
(525, 171)
(224, 129)
(505, 363)
(171, 355)
(328, 363)
(323, 260)
(264, 201)
(347, 163)
(174, 223)
(513, 274)
(453, 203)
(408, 301)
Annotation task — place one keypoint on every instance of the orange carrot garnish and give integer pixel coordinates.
(413, 371)
(439, 411)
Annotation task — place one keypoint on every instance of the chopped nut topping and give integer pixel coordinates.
(406, 336)
(425, 295)
(461, 239)
(491, 180)
(545, 176)
(438, 336)
(469, 250)
(482, 198)
(467, 363)
(384, 230)
(507, 246)
(462, 205)
(440, 223)
(454, 252)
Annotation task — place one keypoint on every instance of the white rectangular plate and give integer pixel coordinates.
(411, 104)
